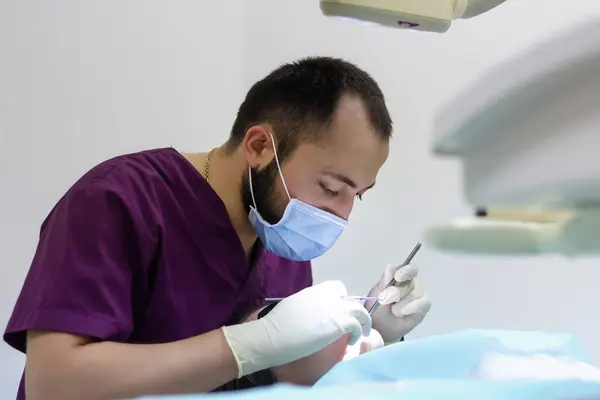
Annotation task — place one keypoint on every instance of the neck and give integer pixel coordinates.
(225, 177)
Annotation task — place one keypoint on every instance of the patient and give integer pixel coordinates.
(308, 370)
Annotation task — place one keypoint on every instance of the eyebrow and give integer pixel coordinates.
(346, 180)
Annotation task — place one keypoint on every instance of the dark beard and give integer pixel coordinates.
(263, 183)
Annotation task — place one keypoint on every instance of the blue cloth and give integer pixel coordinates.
(442, 390)
(439, 367)
(448, 356)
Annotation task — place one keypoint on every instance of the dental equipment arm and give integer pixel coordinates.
(526, 134)
(420, 15)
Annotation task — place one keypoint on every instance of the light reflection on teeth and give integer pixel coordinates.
(374, 340)
(537, 367)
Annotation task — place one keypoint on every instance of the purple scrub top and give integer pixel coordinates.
(141, 250)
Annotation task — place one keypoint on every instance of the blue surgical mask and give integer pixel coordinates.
(303, 233)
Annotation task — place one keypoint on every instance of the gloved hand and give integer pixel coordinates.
(298, 326)
(402, 307)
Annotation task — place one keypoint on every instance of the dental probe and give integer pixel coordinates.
(270, 300)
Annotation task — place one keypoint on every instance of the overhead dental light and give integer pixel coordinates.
(422, 15)
(528, 136)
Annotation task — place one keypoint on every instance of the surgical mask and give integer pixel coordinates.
(303, 233)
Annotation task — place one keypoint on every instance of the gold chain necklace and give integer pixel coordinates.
(207, 163)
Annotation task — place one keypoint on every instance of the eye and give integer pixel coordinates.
(359, 196)
(328, 191)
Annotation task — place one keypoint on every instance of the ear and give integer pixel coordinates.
(258, 146)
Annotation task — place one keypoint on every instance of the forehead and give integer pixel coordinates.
(350, 145)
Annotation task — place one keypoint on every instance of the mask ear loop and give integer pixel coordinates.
(251, 188)
(278, 169)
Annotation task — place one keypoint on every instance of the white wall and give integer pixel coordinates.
(418, 73)
(85, 81)
(82, 81)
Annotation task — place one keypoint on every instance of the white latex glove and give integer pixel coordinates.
(298, 326)
(402, 307)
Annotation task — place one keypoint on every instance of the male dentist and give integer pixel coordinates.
(145, 259)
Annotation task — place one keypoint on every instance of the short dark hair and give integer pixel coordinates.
(299, 100)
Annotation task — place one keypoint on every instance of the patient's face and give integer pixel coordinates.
(308, 370)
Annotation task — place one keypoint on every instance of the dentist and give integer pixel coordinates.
(145, 259)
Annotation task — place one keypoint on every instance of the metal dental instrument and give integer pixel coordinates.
(270, 300)
(393, 281)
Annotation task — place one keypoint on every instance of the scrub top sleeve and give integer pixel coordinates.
(81, 277)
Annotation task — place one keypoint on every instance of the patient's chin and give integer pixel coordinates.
(308, 370)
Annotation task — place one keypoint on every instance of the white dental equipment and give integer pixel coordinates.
(528, 136)
(421, 15)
